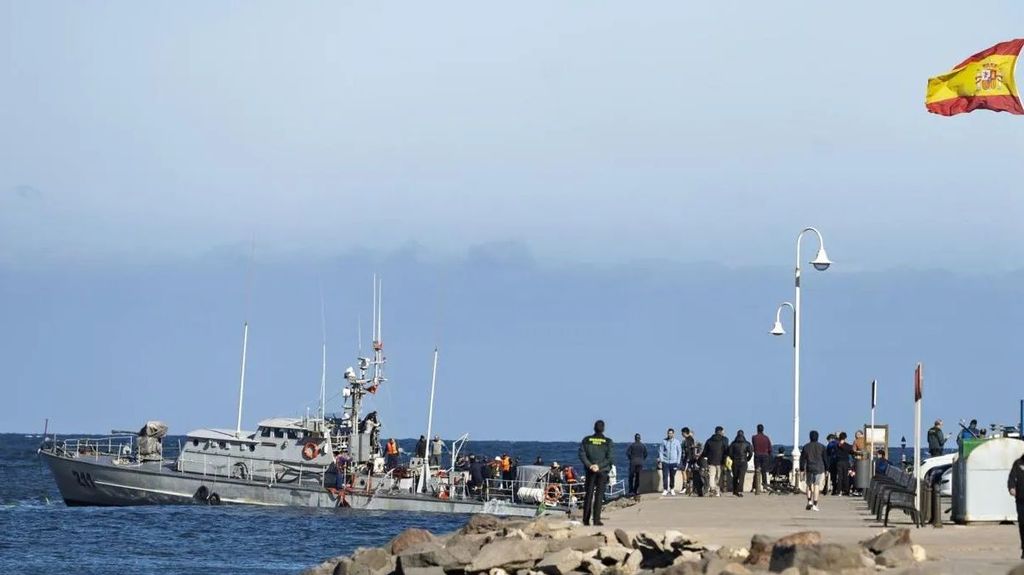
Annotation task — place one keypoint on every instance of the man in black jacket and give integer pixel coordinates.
(936, 439)
(740, 452)
(637, 455)
(813, 463)
(1016, 486)
(596, 455)
(715, 451)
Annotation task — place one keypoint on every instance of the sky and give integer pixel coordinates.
(591, 209)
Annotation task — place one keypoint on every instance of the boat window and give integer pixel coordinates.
(195, 443)
(252, 447)
(292, 434)
(265, 432)
(279, 433)
(223, 445)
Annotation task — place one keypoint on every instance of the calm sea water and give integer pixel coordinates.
(39, 534)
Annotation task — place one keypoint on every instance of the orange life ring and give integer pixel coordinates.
(443, 494)
(310, 451)
(553, 493)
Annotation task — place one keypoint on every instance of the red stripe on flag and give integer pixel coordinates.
(918, 383)
(1008, 48)
(954, 106)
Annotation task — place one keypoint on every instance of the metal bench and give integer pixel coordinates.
(902, 499)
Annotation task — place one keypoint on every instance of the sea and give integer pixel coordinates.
(39, 534)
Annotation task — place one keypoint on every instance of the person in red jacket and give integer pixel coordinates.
(762, 458)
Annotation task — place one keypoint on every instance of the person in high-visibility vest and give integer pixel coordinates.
(506, 469)
(391, 451)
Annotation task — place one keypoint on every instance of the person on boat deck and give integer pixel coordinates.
(341, 463)
(554, 475)
(436, 448)
(391, 453)
(936, 439)
(421, 447)
(476, 473)
(1015, 484)
(596, 456)
(538, 461)
(506, 469)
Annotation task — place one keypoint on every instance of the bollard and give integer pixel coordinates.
(937, 501)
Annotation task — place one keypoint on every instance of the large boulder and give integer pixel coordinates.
(372, 561)
(800, 538)
(824, 556)
(430, 554)
(623, 538)
(409, 538)
(560, 562)
(509, 554)
(582, 543)
(887, 539)
(481, 524)
(760, 551)
(896, 556)
(464, 548)
(612, 554)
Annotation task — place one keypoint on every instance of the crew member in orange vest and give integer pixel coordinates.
(391, 451)
(506, 469)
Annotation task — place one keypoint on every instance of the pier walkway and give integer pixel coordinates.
(728, 520)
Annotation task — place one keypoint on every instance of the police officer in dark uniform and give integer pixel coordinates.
(596, 455)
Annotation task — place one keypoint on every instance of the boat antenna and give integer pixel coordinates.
(323, 357)
(430, 423)
(245, 336)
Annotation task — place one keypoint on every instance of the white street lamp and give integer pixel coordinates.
(820, 263)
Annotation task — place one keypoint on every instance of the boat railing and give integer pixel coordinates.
(96, 447)
(563, 493)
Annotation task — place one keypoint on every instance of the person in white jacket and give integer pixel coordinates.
(669, 453)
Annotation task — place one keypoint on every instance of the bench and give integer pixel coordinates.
(893, 489)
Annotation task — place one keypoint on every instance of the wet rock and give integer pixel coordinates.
(623, 538)
(409, 538)
(508, 553)
(800, 538)
(826, 556)
(580, 543)
(887, 539)
(560, 562)
(760, 553)
(481, 524)
(897, 556)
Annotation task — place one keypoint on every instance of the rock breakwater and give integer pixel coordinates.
(492, 546)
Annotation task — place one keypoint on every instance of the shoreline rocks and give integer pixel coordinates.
(493, 546)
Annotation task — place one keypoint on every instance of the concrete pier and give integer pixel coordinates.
(729, 520)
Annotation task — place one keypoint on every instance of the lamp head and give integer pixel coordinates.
(777, 329)
(821, 261)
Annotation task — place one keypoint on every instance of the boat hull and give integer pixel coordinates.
(101, 480)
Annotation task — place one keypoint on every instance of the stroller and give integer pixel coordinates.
(778, 474)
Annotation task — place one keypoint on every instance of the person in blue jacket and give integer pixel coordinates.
(669, 453)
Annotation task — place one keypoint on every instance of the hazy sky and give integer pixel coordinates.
(583, 146)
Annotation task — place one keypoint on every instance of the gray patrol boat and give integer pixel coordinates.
(320, 461)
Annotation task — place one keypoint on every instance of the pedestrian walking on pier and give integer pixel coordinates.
(689, 461)
(637, 455)
(762, 459)
(843, 453)
(715, 449)
(936, 439)
(740, 452)
(813, 463)
(1015, 483)
(596, 456)
(669, 453)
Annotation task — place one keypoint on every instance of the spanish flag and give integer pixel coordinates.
(982, 82)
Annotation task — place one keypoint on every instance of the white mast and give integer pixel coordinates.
(323, 357)
(430, 423)
(241, 383)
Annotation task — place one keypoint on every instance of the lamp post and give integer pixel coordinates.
(820, 263)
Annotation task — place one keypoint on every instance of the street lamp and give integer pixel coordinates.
(820, 263)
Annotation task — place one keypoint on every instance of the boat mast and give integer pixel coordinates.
(430, 423)
(241, 383)
(323, 357)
